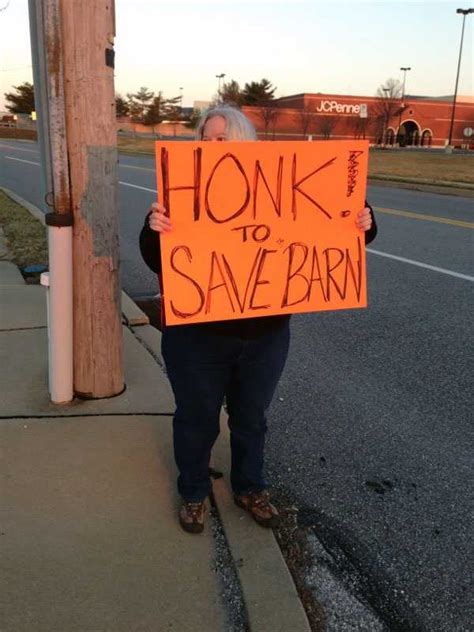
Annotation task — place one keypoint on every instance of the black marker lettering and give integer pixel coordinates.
(330, 269)
(296, 187)
(178, 313)
(276, 200)
(256, 229)
(210, 287)
(257, 282)
(196, 187)
(291, 274)
(208, 186)
(356, 278)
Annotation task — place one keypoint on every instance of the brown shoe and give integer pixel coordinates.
(259, 507)
(191, 516)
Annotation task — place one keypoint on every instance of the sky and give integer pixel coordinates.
(299, 45)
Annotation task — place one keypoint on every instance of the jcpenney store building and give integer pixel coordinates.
(417, 121)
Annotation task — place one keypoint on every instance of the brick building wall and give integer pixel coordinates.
(420, 121)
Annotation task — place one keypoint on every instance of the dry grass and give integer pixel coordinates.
(142, 145)
(19, 134)
(439, 167)
(25, 235)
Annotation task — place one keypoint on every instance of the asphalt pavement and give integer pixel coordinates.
(371, 427)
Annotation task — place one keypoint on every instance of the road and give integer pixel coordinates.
(371, 427)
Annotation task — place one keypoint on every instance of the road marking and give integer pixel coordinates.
(427, 218)
(127, 184)
(389, 211)
(20, 160)
(33, 151)
(135, 186)
(133, 167)
(458, 275)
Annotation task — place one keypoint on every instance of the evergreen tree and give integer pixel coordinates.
(258, 92)
(172, 109)
(231, 93)
(155, 112)
(121, 106)
(139, 102)
(193, 120)
(21, 102)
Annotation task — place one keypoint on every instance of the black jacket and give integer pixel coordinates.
(244, 327)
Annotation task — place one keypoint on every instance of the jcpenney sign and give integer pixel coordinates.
(334, 106)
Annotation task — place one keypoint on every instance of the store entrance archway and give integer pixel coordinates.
(426, 138)
(408, 134)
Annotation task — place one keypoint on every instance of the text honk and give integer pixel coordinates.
(261, 228)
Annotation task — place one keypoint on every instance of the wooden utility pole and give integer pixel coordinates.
(88, 31)
(73, 67)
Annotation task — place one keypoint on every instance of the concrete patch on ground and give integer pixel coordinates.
(90, 539)
(9, 273)
(23, 307)
(132, 314)
(24, 379)
(150, 337)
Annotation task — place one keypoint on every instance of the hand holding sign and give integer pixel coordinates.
(159, 220)
(364, 219)
(261, 228)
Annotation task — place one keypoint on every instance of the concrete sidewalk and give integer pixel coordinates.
(89, 539)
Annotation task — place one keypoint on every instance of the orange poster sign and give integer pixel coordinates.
(261, 228)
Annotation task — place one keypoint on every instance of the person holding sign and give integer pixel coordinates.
(240, 359)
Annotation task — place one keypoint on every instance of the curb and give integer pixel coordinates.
(381, 177)
(270, 595)
(274, 603)
(135, 152)
(132, 315)
(427, 181)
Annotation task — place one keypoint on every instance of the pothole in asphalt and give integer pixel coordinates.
(330, 590)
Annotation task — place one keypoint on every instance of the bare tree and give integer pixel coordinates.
(326, 124)
(305, 117)
(388, 105)
(360, 126)
(269, 114)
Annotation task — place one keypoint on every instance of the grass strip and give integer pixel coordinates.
(25, 236)
(429, 167)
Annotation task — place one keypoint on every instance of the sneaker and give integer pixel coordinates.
(191, 516)
(259, 507)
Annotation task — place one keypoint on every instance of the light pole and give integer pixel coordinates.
(386, 106)
(219, 77)
(463, 12)
(181, 98)
(404, 69)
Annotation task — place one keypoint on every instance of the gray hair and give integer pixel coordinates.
(237, 125)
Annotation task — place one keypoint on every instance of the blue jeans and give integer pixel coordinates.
(204, 366)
